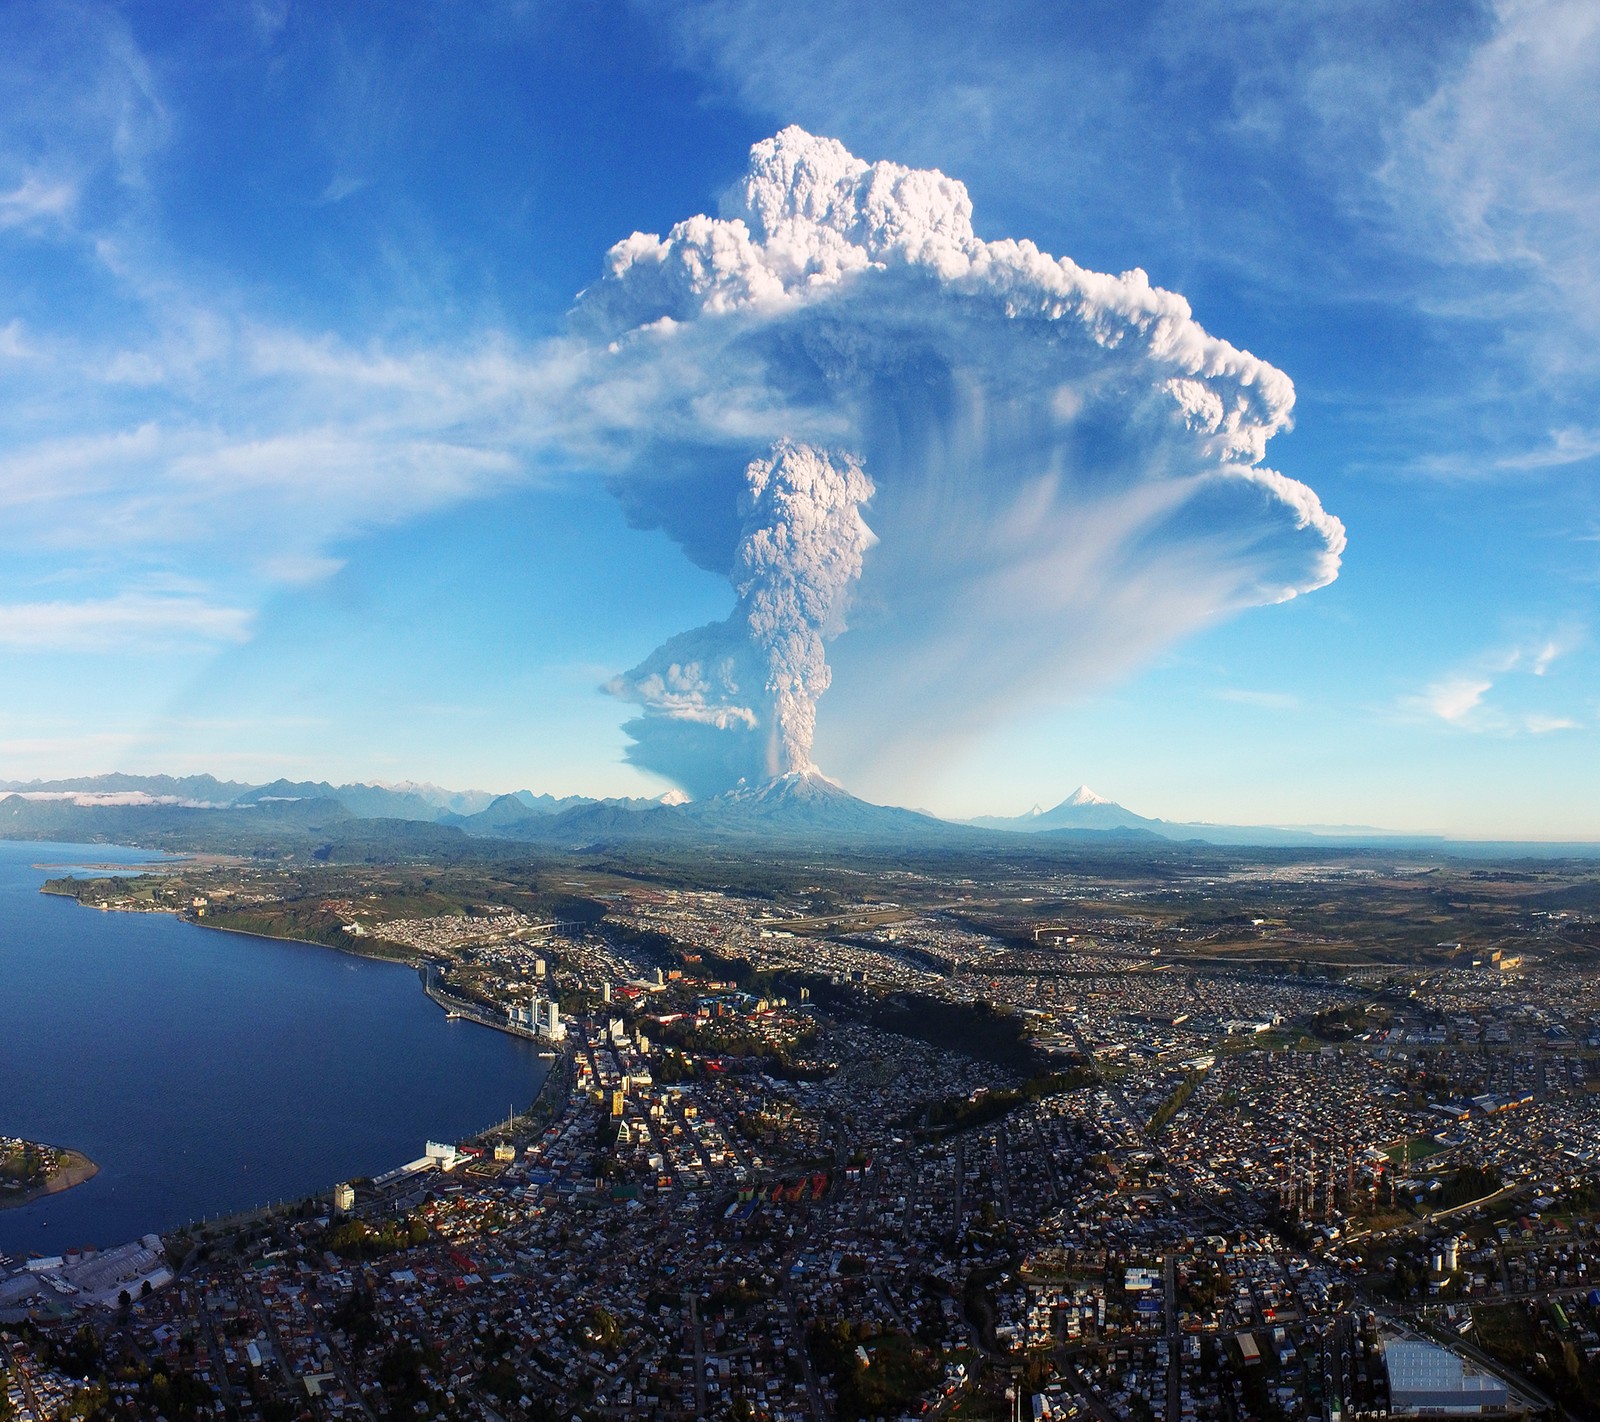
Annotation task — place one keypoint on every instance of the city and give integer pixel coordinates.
(908, 1145)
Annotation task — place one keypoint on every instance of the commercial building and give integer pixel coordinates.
(1428, 1381)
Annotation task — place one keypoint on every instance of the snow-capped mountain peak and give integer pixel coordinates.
(1081, 810)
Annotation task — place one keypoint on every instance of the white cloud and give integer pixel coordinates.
(1455, 698)
(12, 344)
(1501, 165)
(1545, 657)
(1538, 725)
(129, 622)
(1536, 655)
(266, 443)
(1462, 699)
(1568, 445)
(341, 186)
(1540, 453)
(300, 570)
(36, 199)
(65, 127)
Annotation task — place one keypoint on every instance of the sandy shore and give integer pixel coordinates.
(74, 1170)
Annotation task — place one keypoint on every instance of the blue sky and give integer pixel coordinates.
(303, 470)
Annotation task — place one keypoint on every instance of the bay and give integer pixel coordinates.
(206, 1072)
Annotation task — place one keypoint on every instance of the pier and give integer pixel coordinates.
(478, 1012)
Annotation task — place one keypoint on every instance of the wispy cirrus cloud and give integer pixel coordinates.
(1453, 698)
(1544, 453)
(1466, 699)
(80, 115)
(1501, 165)
(128, 622)
(1539, 725)
(274, 443)
(1542, 658)
(1568, 445)
(36, 199)
(1536, 655)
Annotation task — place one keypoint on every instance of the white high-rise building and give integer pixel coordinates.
(549, 1022)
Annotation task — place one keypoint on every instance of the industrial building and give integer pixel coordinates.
(1428, 1381)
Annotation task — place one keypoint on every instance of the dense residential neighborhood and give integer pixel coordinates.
(887, 1163)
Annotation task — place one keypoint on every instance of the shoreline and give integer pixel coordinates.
(75, 1169)
(79, 1168)
(411, 959)
(407, 958)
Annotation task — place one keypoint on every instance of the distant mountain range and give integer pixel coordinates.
(1085, 810)
(407, 800)
(793, 809)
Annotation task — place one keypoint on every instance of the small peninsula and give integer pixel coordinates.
(29, 1170)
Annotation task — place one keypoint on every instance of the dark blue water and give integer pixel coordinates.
(208, 1072)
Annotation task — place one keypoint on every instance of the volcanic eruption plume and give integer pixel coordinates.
(801, 550)
(1066, 469)
(758, 674)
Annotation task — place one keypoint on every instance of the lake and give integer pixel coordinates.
(208, 1072)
